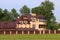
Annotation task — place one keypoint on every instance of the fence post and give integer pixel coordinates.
(10, 32)
(43, 31)
(28, 32)
(22, 32)
(4, 32)
(16, 32)
(34, 31)
(54, 31)
(49, 31)
(40, 31)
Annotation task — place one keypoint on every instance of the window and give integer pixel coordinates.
(33, 26)
(39, 26)
(20, 22)
(33, 19)
(41, 20)
(25, 22)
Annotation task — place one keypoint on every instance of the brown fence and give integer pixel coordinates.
(29, 32)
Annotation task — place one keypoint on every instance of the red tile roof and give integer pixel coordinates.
(7, 25)
(28, 16)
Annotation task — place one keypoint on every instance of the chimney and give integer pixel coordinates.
(33, 14)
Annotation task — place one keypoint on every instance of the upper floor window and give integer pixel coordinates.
(33, 19)
(41, 20)
(25, 22)
(20, 22)
(33, 26)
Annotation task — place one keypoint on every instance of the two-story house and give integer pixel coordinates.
(31, 21)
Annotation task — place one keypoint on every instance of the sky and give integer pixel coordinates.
(17, 4)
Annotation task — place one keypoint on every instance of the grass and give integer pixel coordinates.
(31, 37)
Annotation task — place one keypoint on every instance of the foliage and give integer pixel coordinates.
(1, 14)
(25, 10)
(52, 26)
(5, 15)
(59, 25)
(46, 8)
(14, 14)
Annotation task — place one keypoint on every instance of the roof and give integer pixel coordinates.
(40, 16)
(7, 25)
(29, 16)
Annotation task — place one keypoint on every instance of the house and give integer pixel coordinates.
(26, 22)
(37, 22)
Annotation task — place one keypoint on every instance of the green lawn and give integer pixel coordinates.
(31, 37)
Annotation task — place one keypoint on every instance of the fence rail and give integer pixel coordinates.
(29, 32)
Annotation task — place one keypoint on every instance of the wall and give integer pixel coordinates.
(37, 23)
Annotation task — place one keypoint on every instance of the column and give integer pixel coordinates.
(54, 31)
(4, 32)
(18, 25)
(10, 32)
(16, 32)
(34, 31)
(28, 32)
(40, 31)
(22, 32)
(49, 31)
(43, 31)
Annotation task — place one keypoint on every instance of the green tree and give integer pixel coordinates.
(24, 10)
(6, 16)
(59, 25)
(1, 14)
(46, 8)
(52, 26)
(14, 14)
(53, 20)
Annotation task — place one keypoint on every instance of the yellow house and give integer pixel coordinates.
(31, 21)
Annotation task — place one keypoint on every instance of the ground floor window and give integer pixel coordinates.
(33, 26)
(41, 26)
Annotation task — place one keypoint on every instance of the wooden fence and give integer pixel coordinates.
(29, 32)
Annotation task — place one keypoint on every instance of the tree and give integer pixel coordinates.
(24, 10)
(6, 16)
(14, 14)
(59, 25)
(46, 8)
(53, 20)
(1, 14)
(52, 26)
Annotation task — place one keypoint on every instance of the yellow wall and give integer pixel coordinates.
(33, 14)
(36, 23)
(22, 26)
